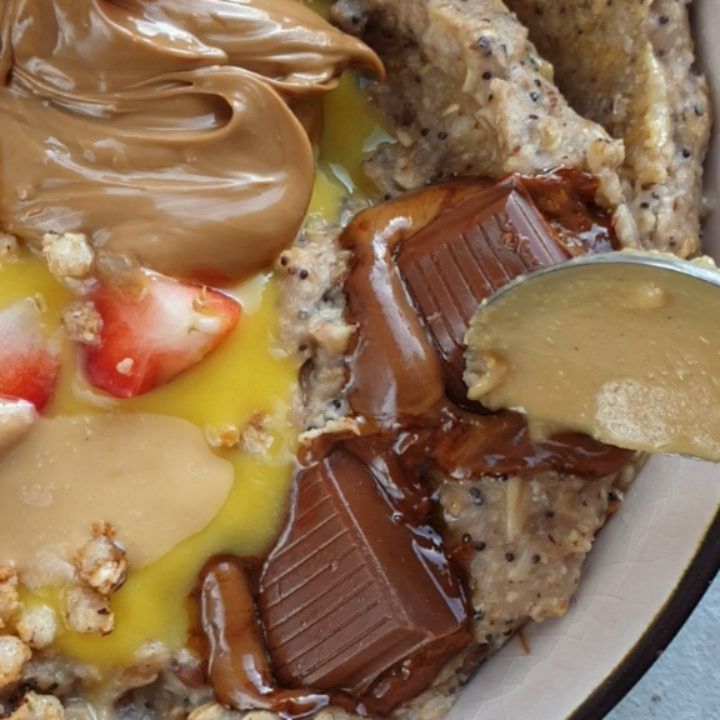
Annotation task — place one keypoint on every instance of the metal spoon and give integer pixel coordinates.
(623, 346)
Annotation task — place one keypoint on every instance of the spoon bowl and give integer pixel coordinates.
(624, 347)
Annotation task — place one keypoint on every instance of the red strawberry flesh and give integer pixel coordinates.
(149, 339)
(28, 364)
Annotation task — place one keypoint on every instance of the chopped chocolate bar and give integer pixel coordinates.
(351, 590)
(466, 254)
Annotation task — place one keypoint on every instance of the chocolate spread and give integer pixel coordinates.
(423, 263)
(359, 598)
(164, 129)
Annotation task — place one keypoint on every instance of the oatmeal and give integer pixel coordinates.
(240, 473)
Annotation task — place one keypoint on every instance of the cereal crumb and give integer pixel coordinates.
(226, 436)
(83, 323)
(88, 612)
(9, 598)
(102, 562)
(14, 653)
(37, 627)
(39, 707)
(345, 425)
(9, 248)
(255, 437)
(68, 255)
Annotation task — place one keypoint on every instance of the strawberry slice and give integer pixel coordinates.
(28, 363)
(146, 341)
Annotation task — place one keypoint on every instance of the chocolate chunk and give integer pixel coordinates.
(351, 590)
(466, 254)
(238, 667)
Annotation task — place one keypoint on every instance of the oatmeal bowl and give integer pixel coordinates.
(243, 471)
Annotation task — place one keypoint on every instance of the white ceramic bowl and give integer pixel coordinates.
(647, 571)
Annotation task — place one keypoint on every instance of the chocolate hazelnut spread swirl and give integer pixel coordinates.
(169, 131)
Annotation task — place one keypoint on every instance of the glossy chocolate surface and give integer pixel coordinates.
(238, 665)
(422, 265)
(352, 589)
(463, 256)
(358, 599)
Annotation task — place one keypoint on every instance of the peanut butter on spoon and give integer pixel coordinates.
(624, 347)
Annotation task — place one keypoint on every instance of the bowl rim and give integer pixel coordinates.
(689, 591)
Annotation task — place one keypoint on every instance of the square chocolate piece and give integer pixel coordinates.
(350, 590)
(465, 255)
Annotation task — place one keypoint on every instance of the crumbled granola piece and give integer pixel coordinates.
(342, 426)
(224, 436)
(14, 653)
(333, 336)
(9, 249)
(148, 662)
(87, 611)
(255, 437)
(83, 323)
(102, 562)
(9, 599)
(37, 627)
(68, 255)
(39, 707)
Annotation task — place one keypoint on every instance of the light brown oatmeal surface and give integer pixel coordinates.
(630, 66)
(469, 95)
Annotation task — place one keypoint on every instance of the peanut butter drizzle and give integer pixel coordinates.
(165, 129)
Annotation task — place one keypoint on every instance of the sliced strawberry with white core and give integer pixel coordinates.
(28, 362)
(147, 340)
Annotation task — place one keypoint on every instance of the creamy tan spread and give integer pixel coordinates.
(626, 353)
(153, 477)
(166, 134)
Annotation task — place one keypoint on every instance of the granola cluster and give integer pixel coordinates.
(28, 628)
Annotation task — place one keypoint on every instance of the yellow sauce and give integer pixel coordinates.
(246, 375)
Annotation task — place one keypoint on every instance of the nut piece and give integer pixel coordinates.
(83, 323)
(9, 599)
(37, 627)
(14, 653)
(68, 255)
(88, 612)
(39, 707)
(102, 563)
